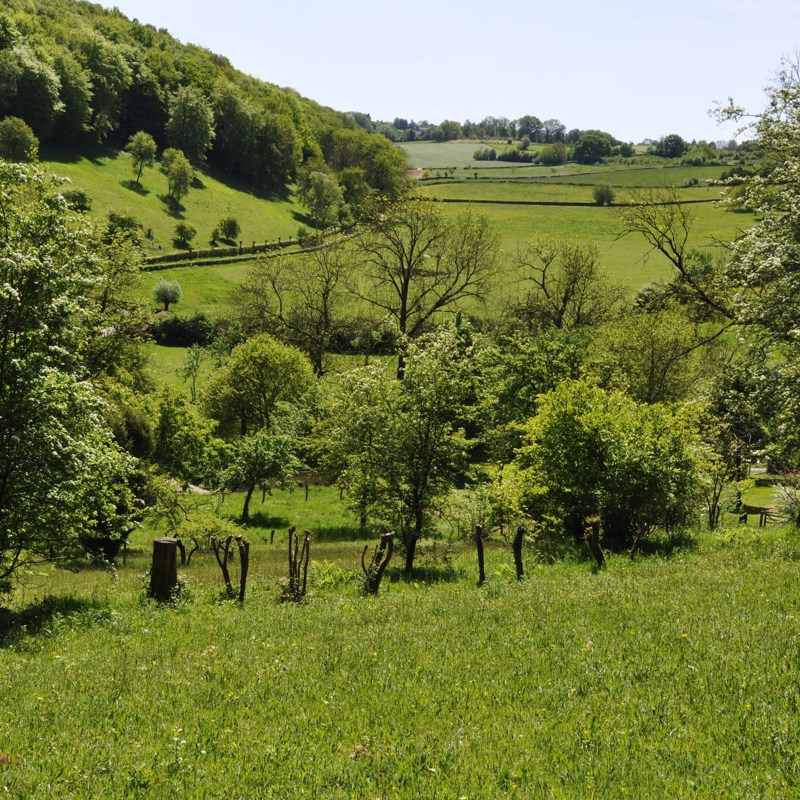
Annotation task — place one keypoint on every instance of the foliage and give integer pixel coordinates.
(591, 148)
(592, 452)
(190, 127)
(184, 233)
(603, 194)
(17, 141)
(244, 393)
(179, 172)
(229, 228)
(322, 195)
(63, 477)
(167, 292)
(142, 148)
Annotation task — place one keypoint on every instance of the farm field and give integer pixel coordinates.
(549, 687)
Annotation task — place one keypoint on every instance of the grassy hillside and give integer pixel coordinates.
(108, 178)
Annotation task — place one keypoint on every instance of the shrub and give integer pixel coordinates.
(603, 194)
(229, 228)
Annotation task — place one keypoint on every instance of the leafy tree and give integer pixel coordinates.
(184, 233)
(229, 228)
(260, 373)
(179, 172)
(30, 89)
(167, 292)
(553, 154)
(568, 288)
(190, 127)
(321, 194)
(75, 93)
(142, 149)
(671, 146)
(265, 457)
(17, 141)
(193, 360)
(417, 263)
(401, 444)
(185, 445)
(591, 148)
(62, 477)
(590, 452)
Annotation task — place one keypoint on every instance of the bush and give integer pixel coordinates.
(17, 141)
(173, 331)
(603, 194)
(78, 200)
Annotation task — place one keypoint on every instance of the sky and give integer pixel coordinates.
(636, 70)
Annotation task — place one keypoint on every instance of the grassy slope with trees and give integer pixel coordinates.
(562, 407)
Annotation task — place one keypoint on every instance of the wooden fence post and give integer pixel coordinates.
(479, 545)
(518, 538)
(164, 572)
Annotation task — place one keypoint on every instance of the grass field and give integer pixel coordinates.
(668, 677)
(109, 180)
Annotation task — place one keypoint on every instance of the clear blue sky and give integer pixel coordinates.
(636, 70)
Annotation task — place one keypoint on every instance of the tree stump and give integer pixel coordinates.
(164, 572)
(519, 537)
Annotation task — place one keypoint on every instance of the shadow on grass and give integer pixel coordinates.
(135, 187)
(667, 544)
(50, 615)
(174, 208)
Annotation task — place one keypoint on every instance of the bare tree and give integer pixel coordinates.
(417, 263)
(659, 216)
(568, 287)
(303, 299)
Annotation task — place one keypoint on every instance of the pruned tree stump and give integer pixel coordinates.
(164, 571)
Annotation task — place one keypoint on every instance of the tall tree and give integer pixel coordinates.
(190, 126)
(418, 263)
(62, 478)
(142, 149)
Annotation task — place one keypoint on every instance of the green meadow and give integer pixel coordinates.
(674, 675)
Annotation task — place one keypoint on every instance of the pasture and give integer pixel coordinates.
(109, 180)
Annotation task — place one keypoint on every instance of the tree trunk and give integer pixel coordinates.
(411, 547)
(518, 538)
(246, 509)
(164, 572)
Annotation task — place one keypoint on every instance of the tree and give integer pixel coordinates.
(591, 452)
(167, 292)
(17, 141)
(193, 360)
(671, 146)
(418, 263)
(665, 223)
(260, 373)
(190, 126)
(228, 228)
(62, 477)
(179, 172)
(304, 299)
(591, 148)
(568, 287)
(184, 233)
(263, 458)
(321, 194)
(142, 149)
(401, 444)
